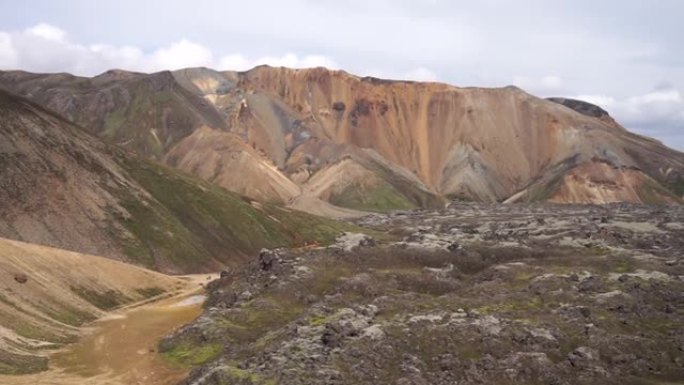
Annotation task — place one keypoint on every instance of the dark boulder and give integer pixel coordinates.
(268, 259)
(21, 277)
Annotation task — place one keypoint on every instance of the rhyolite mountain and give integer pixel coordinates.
(321, 140)
(61, 186)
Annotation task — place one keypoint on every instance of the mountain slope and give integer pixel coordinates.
(222, 158)
(483, 144)
(48, 293)
(60, 186)
(470, 143)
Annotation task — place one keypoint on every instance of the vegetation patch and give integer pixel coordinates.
(14, 364)
(381, 198)
(192, 223)
(243, 375)
(105, 301)
(69, 315)
(188, 354)
(149, 292)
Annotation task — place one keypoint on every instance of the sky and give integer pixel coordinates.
(625, 55)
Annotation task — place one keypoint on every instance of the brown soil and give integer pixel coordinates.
(121, 348)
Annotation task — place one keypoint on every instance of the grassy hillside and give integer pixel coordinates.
(62, 187)
(195, 225)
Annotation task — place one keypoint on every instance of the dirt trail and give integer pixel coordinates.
(121, 347)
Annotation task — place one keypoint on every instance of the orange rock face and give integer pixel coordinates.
(421, 138)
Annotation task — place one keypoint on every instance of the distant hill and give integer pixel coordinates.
(275, 134)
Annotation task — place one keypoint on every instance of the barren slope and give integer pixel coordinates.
(483, 144)
(222, 158)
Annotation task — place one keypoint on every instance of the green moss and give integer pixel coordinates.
(676, 187)
(193, 223)
(624, 266)
(233, 375)
(598, 250)
(513, 306)
(69, 315)
(318, 320)
(23, 327)
(382, 198)
(102, 300)
(113, 122)
(149, 292)
(188, 354)
(653, 193)
(21, 364)
(29, 330)
(545, 191)
(241, 374)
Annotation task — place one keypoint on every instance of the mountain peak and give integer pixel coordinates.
(584, 108)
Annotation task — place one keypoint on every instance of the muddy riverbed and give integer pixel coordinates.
(122, 347)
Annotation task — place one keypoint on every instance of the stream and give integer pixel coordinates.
(120, 348)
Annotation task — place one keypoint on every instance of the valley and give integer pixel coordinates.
(367, 231)
(121, 347)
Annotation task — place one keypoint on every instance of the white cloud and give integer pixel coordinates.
(599, 100)
(419, 74)
(658, 113)
(46, 48)
(548, 85)
(235, 62)
(8, 56)
(48, 32)
(238, 62)
(181, 54)
(664, 106)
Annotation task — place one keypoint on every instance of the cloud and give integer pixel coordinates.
(658, 113)
(181, 54)
(48, 32)
(8, 55)
(559, 49)
(419, 74)
(548, 85)
(239, 62)
(47, 48)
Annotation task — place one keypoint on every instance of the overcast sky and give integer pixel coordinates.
(627, 56)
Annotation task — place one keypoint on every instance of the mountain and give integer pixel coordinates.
(285, 136)
(62, 187)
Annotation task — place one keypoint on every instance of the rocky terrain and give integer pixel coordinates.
(274, 134)
(495, 294)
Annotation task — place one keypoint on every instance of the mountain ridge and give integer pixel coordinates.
(460, 143)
